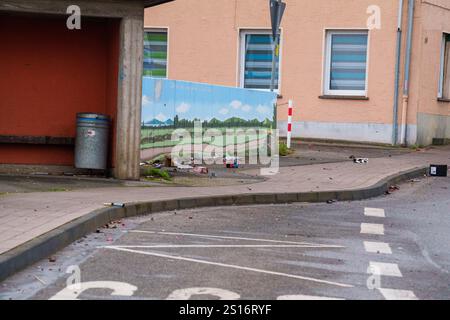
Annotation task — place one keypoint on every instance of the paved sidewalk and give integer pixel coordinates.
(26, 216)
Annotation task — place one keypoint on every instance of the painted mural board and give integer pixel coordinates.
(168, 105)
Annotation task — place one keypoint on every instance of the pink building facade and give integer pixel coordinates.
(347, 64)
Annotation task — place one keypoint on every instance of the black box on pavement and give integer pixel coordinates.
(438, 170)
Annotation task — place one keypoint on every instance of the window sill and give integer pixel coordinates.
(333, 97)
(443, 100)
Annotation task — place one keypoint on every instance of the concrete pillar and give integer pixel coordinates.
(129, 98)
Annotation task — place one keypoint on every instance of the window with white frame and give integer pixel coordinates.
(444, 83)
(155, 53)
(256, 60)
(346, 63)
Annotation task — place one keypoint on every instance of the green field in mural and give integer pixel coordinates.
(168, 105)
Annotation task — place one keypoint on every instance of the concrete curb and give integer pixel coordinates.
(55, 240)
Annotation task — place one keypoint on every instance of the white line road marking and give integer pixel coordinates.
(374, 212)
(229, 238)
(303, 297)
(231, 266)
(394, 294)
(385, 269)
(372, 228)
(377, 247)
(224, 246)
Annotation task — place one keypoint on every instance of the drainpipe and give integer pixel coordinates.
(407, 72)
(397, 73)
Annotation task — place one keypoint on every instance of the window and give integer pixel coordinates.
(256, 60)
(155, 53)
(444, 83)
(346, 63)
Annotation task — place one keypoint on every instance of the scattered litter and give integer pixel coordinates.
(392, 189)
(231, 162)
(158, 165)
(113, 224)
(201, 170)
(40, 280)
(52, 259)
(414, 180)
(182, 166)
(114, 204)
(145, 163)
(359, 160)
(331, 201)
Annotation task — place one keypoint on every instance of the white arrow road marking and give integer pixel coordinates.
(374, 212)
(372, 228)
(73, 291)
(385, 269)
(186, 294)
(303, 297)
(377, 247)
(394, 294)
(231, 238)
(231, 266)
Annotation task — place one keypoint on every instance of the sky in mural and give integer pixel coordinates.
(163, 99)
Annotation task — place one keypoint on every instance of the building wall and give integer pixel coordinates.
(433, 116)
(48, 75)
(204, 47)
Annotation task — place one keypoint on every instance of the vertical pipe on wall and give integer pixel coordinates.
(407, 72)
(397, 73)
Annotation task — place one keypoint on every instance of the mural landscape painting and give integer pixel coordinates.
(170, 104)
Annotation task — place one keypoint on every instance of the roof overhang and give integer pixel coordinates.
(152, 3)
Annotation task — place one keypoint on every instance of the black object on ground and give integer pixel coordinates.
(438, 170)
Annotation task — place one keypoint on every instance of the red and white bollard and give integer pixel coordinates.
(289, 126)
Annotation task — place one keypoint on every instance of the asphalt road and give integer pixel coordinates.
(393, 247)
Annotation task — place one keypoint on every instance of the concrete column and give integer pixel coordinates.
(129, 98)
